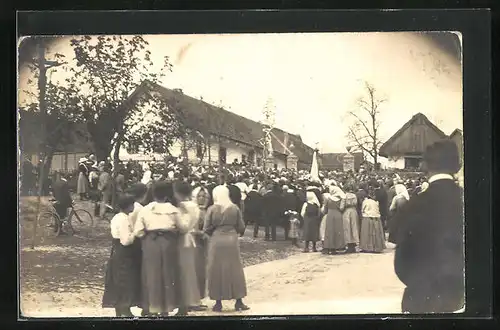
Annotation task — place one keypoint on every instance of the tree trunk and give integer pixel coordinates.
(116, 162)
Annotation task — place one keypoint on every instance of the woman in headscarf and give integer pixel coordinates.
(348, 206)
(201, 196)
(372, 233)
(190, 294)
(398, 202)
(158, 224)
(334, 227)
(311, 215)
(226, 278)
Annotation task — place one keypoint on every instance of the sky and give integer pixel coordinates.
(313, 79)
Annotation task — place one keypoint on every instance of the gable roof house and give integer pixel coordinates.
(241, 136)
(406, 147)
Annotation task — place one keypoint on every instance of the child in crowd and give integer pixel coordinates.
(293, 217)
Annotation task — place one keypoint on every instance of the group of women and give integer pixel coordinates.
(169, 252)
(349, 220)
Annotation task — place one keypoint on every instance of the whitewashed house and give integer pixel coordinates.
(226, 136)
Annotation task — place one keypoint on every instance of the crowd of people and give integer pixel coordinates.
(175, 236)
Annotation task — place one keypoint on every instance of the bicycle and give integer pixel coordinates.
(52, 226)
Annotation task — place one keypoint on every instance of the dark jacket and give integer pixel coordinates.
(272, 207)
(253, 206)
(60, 191)
(291, 202)
(429, 257)
(381, 198)
(234, 194)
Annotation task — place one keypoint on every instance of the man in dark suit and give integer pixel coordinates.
(429, 256)
(60, 192)
(272, 210)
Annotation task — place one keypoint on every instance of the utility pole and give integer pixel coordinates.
(43, 65)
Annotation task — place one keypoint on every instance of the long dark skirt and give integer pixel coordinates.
(226, 278)
(122, 287)
(311, 228)
(160, 287)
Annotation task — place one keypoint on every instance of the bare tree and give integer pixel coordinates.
(363, 133)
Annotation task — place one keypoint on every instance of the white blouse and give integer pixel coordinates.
(122, 229)
(156, 216)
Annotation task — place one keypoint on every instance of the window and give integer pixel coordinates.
(132, 148)
(412, 163)
(222, 155)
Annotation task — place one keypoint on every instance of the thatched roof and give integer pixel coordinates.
(404, 141)
(208, 118)
(458, 132)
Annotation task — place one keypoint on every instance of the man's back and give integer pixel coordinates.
(429, 257)
(60, 191)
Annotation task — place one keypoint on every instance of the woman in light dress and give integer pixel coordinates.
(348, 207)
(372, 233)
(226, 278)
(159, 224)
(334, 240)
(190, 296)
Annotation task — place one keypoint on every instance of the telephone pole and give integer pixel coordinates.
(43, 65)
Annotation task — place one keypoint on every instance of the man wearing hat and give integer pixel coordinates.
(429, 257)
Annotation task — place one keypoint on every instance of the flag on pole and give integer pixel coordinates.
(314, 168)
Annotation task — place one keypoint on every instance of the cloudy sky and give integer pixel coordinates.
(313, 79)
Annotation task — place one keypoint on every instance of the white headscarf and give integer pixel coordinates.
(221, 197)
(336, 193)
(401, 191)
(424, 187)
(146, 178)
(311, 198)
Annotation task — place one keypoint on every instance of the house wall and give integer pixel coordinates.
(396, 162)
(65, 162)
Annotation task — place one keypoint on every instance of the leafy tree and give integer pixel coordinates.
(364, 132)
(113, 83)
(107, 70)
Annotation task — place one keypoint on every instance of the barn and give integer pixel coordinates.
(405, 149)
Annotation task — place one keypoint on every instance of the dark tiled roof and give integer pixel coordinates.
(205, 117)
(385, 149)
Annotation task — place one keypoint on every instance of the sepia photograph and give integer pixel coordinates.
(185, 175)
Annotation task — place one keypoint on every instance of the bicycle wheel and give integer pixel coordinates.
(81, 221)
(67, 228)
(48, 226)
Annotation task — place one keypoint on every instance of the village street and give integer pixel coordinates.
(299, 284)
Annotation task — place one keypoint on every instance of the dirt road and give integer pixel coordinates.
(300, 284)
